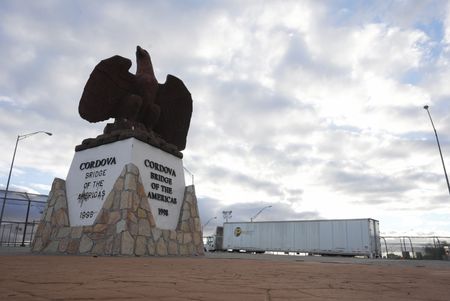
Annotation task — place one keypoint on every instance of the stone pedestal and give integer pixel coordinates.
(125, 225)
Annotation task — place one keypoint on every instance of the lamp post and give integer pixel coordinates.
(259, 212)
(209, 221)
(227, 215)
(19, 137)
(439, 146)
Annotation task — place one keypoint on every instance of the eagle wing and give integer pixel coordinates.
(107, 85)
(175, 102)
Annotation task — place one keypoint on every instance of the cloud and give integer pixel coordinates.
(311, 107)
(243, 211)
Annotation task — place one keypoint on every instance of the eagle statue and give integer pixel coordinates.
(141, 106)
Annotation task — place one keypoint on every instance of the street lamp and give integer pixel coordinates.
(259, 212)
(209, 221)
(227, 215)
(439, 146)
(19, 137)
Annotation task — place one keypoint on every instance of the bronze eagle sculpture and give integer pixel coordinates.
(138, 100)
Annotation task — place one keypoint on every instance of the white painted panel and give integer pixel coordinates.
(277, 231)
(94, 171)
(340, 235)
(313, 229)
(326, 236)
(262, 239)
(301, 236)
(162, 196)
(91, 178)
(289, 237)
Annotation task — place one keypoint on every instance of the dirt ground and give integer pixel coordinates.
(219, 277)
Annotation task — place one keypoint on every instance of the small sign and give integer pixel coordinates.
(94, 171)
(237, 231)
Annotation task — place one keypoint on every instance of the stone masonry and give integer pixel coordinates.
(124, 226)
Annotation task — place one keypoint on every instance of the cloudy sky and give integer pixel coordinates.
(313, 107)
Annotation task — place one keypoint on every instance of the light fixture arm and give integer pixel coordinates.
(209, 221)
(21, 137)
(439, 146)
(259, 212)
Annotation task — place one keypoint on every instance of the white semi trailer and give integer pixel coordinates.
(354, 237)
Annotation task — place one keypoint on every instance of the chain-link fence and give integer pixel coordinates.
(21, 213)
(416, 247)
(392, 247)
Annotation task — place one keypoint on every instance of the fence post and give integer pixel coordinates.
(26, 221)
(3, 231)
(412, 248)
(32, 231)
(17, 232)
(9, 235)
(385, 245)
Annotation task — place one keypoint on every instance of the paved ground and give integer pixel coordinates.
(220, 276)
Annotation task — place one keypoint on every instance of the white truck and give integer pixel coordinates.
(349, 237)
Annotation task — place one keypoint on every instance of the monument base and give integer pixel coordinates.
(124, 226)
